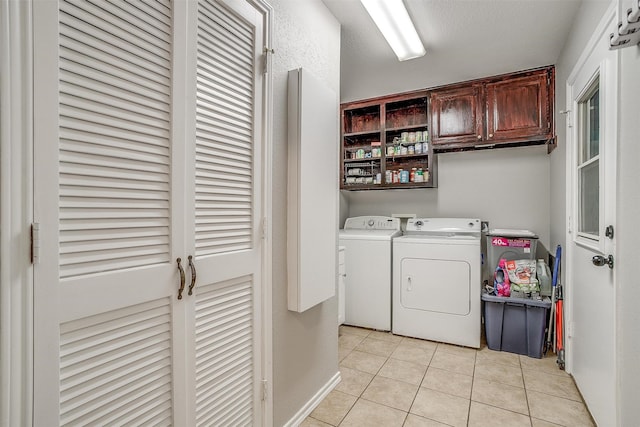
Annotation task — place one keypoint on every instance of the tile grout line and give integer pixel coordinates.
(368, 384)
(526, 393)
(473, 379)
(419, 386)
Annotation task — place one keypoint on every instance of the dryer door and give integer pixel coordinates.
(436, 285)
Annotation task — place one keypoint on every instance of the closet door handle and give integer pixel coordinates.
(193, 274)
(181, 270)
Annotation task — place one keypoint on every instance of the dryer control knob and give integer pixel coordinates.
(371, 223)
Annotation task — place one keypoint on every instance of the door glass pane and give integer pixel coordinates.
(589, 161)
(589, 199)
(591, 125)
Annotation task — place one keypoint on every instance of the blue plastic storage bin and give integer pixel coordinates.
(515, 325)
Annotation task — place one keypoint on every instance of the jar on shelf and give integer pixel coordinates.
(418, 148)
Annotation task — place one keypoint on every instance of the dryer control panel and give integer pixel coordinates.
(444, 225)
(372, 223)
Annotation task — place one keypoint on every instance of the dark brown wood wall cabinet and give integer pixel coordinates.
(513, 109)
(389, 142)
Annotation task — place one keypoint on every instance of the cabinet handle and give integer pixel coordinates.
(479, 136)
(409, 286)
(193, 274)
(490, 135)
(181, 270)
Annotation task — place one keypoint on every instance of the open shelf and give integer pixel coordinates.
(371, 128)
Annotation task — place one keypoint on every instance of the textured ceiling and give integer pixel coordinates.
(464, 39)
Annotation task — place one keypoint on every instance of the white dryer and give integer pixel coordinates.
(367, 242)
(437, 280)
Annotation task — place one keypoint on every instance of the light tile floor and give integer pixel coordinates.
(389, 380)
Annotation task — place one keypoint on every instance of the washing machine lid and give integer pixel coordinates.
(368, 234)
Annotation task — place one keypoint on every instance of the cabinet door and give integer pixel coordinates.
(456, 117)
(518, 109)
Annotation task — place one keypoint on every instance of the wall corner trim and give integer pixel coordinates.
(312, 403)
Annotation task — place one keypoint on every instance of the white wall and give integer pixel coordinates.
(305, 345)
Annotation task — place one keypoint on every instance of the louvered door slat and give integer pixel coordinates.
(125, 77)
(216, 90)
(121, 144)
(209, 138)
(114, 94)
(111, 363)
(114, 108)
(224, 98)
(216, 72)
(103, 147)
(126, 25)
(80, 25)
(230, 50)
(224, 352)
(212, 113)
(112, 101)
(159, 10)
(76, 113)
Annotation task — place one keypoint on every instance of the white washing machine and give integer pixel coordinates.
(368, 242)
(437, 280)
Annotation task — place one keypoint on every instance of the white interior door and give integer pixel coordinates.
(107, 324)
(225, 213)
(591, 184)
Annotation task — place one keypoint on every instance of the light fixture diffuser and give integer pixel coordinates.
(394, 23)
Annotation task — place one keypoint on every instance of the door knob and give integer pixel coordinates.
(600, 261)
(479, 136)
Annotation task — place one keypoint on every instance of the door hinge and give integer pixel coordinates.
(266, 51)
(265, 390)
(570, 329)
(35, 243)
(263, 228)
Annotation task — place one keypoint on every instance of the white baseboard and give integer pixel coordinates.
(308, 407)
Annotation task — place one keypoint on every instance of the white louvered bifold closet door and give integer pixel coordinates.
(105, 298)
(227, 212)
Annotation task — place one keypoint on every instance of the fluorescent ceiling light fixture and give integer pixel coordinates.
(394, 23)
